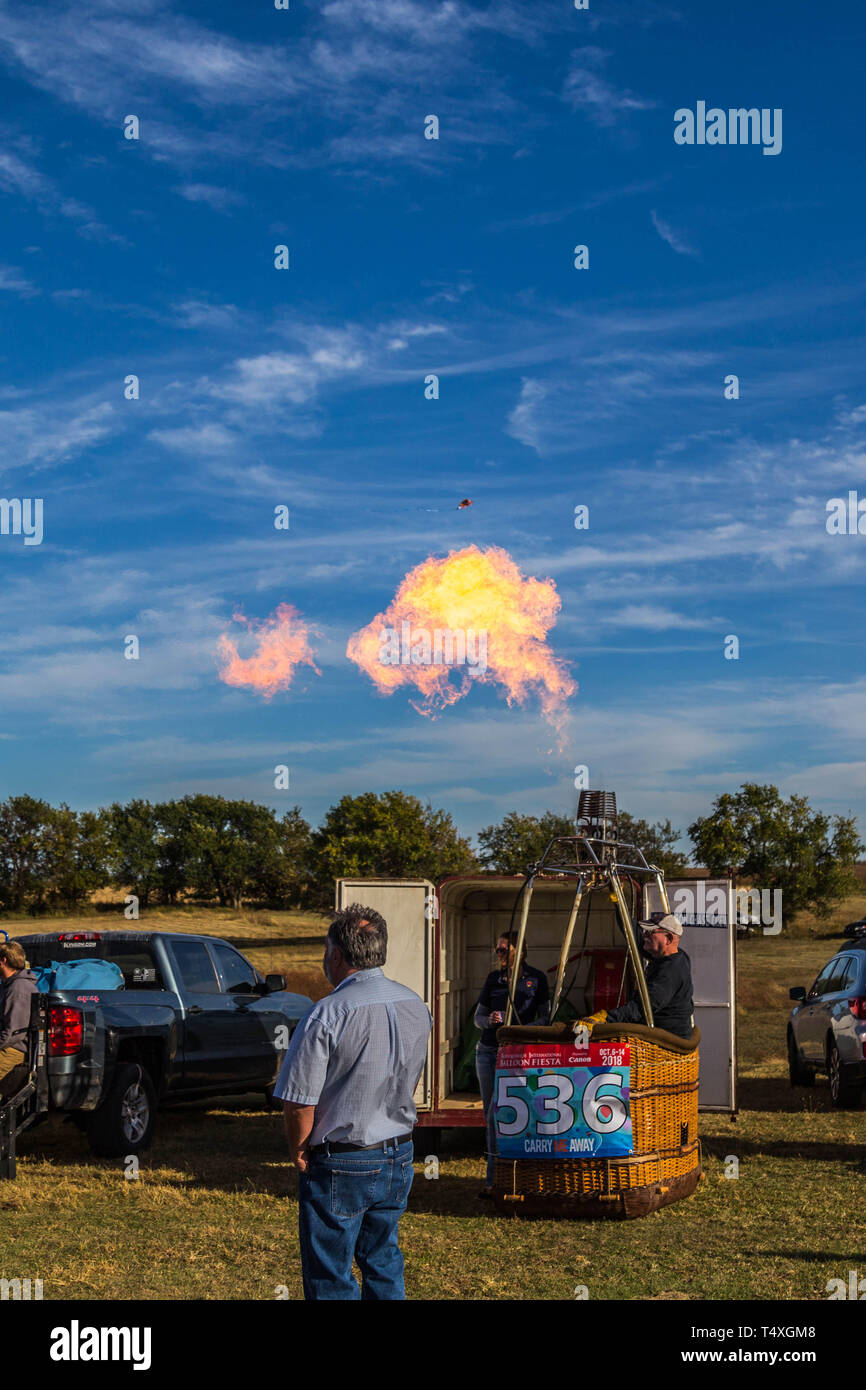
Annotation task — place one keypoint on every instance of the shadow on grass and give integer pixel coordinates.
(775, 1094)
(828, 1150)
(238, 1147)
(243, 1151)
(815, 1256)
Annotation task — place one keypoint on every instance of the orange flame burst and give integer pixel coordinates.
(471, 592)
(283, 645)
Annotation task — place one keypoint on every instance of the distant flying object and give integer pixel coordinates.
(467, 502)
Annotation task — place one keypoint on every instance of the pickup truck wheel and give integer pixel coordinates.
(843, 1094)
(798, 1073)
(124, 1122)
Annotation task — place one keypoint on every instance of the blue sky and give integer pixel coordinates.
(557, 387)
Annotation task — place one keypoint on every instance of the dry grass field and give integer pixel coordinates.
(213, 1212)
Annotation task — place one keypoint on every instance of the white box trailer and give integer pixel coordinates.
(441, 941)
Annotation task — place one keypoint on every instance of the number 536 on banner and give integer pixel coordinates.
(562, 1111)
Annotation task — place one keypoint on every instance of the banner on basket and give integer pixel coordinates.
(561, 1101)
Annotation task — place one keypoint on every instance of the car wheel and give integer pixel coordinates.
(843, 1094)
(124, 1122)
(798, 1072)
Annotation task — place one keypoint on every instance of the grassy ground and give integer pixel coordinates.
(213, 1212)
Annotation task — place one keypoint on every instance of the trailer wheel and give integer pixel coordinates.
(124, 1122)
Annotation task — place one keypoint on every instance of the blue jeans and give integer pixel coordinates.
(349, 1205)
(485, 1065)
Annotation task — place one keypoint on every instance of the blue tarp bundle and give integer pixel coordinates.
(79, 974)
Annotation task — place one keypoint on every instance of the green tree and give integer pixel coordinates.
(286, 879)
(24, 862)
(772, 843)
(78, 856)
(658, 842)
(232, 847)
(385, 835)
(520, 840)
(517, 841)
(135, 848)
(174, 851)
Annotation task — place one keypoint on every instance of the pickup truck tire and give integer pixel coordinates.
(124, 1122)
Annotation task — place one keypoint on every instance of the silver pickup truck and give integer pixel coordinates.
(193, 1019)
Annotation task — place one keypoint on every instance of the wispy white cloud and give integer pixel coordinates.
(587, 89)
(626, 190)
(202, 313)
(14, 282)
(202, 440)
(54, 432)
(18, 176)
(525, 418)
(549, 416)
(220, 199)
(104, 58)
(674, 239)
(651, 617)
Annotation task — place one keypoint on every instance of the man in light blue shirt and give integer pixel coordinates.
(347, 1085)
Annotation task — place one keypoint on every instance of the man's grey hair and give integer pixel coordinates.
(362, 936)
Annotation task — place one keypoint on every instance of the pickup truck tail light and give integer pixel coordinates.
(65, 1031)
(858, 1007)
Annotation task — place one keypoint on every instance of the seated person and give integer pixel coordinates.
(668, 981)
(19, 986)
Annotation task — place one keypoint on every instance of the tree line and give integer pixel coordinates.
(231, 852)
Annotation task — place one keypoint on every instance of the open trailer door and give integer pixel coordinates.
(706, 909)
(409, 908)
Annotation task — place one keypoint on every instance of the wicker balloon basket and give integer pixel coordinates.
(664, 1165)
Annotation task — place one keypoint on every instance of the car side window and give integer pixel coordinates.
(237, 974)
(837, 979)
(849, 979)
(196, 967)
(821, 984)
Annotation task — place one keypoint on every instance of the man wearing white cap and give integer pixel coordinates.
(668, 980)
